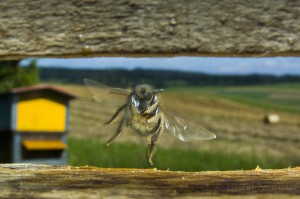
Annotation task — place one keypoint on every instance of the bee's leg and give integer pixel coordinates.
(116, 114)
(118, 132)
(150, 152)
(153, 139)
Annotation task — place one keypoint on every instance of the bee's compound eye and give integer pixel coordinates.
(154, 98)
(135, 101)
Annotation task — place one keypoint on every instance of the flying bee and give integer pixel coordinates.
(142, 110)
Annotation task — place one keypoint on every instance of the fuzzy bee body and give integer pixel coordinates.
(145, 116)
(142, 111)
(143, 124)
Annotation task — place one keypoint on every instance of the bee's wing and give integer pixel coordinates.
(183, 129)
(106, 94)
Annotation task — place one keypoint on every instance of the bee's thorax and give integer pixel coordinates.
(145, 112)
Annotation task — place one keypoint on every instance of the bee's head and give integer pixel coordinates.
(143, 91)
(143, 97)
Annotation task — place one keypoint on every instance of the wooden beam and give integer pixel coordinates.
(77, 28)
(46, 181)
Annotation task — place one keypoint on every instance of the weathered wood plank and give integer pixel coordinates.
(149, 28)
(44, 181)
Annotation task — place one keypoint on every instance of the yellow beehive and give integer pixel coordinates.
(35, 120)
(41, 114)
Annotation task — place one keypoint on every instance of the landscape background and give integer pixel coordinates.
(231, 106)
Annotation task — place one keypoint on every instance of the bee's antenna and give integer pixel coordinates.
(159, 90)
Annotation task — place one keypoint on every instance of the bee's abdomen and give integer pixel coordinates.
(145, 123)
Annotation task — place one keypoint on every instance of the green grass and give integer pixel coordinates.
(258, 96)
(126, 155)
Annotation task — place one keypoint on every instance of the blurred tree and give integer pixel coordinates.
(12, 75)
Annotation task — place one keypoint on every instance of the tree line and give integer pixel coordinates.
(158, 78)
(12, 75)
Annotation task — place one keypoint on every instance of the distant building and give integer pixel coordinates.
(34, 122)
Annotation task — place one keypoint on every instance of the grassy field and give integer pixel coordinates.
(285, 97)
(127, 155)
(234, 114)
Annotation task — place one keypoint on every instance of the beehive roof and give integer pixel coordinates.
(38, 88)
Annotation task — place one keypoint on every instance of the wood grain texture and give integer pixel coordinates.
(44, 181)
(77, 28)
